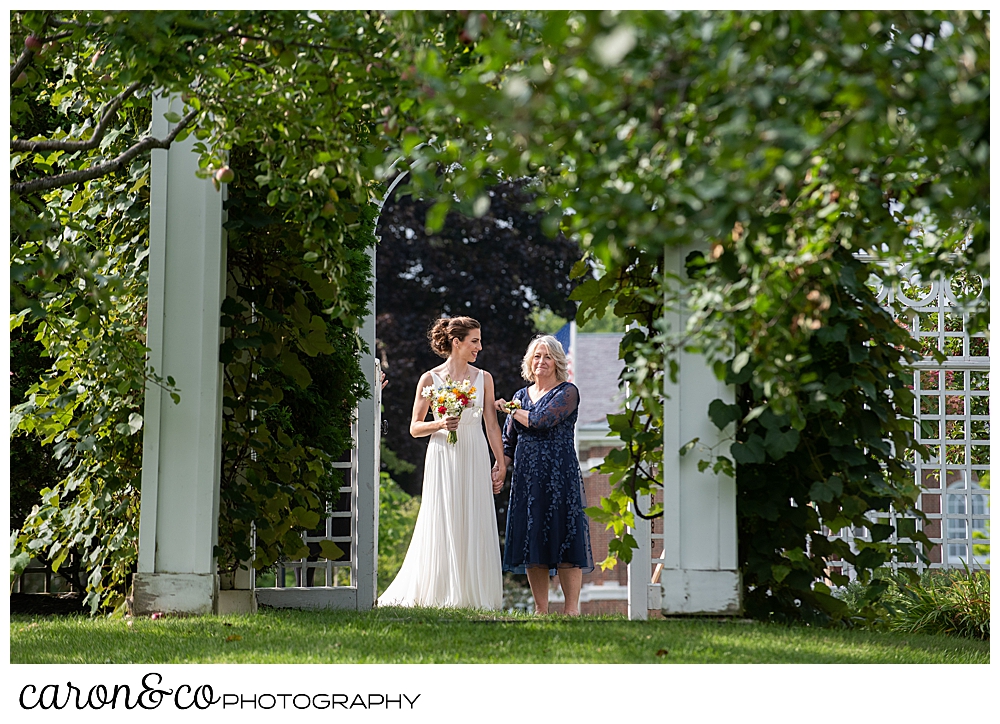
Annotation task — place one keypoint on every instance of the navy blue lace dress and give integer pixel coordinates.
(546, 524)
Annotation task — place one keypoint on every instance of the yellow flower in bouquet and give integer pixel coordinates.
(449, 399)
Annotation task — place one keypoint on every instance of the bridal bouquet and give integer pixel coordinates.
(450, 399)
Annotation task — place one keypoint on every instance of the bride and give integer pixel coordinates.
(454, 555)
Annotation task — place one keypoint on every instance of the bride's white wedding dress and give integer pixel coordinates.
(454, 556)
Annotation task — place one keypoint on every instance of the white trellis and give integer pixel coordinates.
(352, 523)
(952, 409)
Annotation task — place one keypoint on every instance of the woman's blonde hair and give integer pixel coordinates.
(555, 348)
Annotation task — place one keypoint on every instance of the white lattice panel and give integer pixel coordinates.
(952, 407)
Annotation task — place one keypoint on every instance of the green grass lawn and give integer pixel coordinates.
(410, 636)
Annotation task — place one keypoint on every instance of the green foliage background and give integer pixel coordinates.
(396, 519)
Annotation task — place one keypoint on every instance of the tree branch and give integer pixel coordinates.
(21, 64)
(27, 55)
(74, 177)
(236, 33)
(92, 142)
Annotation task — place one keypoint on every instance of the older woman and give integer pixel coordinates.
(547, 530)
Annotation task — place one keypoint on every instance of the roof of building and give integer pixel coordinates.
(596, 368)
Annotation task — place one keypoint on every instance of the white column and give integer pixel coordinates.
(639, 568)
(700, 573)
(181, 442)
(368, 441)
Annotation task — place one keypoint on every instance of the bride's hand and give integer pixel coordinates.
(449, 423)
(498, 475)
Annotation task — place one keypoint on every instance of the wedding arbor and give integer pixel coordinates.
(180, 483)
(951, 407)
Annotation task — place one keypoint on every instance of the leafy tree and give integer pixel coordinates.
(311, 94)
(496, 268)
(774, 143)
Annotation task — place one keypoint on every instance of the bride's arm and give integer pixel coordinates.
(492, 427)
(420, 427)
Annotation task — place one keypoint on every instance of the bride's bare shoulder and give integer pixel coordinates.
(427, 378)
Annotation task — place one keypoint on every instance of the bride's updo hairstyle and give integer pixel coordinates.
(448, 328)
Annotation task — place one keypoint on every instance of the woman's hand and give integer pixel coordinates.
(448, 423)
(500, 404)
(498, 474)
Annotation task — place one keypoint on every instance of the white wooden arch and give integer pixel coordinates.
(180, 480)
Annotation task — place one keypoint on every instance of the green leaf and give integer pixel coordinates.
(722, 414)
(824, 491)
(831, 603)
(172, 117)
(18, 563)
(59, 559)
(330, 550)
(778, 443)
(308, 519)
(740, 361)
(436, 216)
(870, 558)
(688, 446)
(880, 531)
(748, 452)
(134, 423)
(292, 367)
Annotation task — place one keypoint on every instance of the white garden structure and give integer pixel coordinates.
(181, 448)
(686, 562)
(952, 409)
